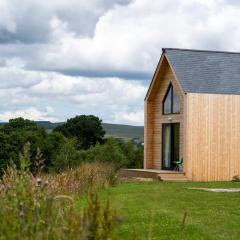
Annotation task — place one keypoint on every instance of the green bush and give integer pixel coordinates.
(33, 211)
(117, 152)
(67, 156)
(133, 154)
(109, 152)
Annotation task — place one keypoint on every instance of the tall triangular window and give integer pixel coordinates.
(171, 102)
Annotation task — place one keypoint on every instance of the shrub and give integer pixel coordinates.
(116, 152)
(236, 178)
(32, 210)
(52, 146)
(110, 152)
(66, 157)
(133, 153)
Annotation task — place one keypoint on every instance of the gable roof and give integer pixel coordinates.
(206, 71)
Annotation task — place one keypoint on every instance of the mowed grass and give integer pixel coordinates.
(155, 210)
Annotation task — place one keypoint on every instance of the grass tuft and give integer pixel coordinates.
(43, 207)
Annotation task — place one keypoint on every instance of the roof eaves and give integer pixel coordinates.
(198, 50)
(157, 68)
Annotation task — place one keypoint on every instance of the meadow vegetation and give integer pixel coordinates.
(43, 174)
(60, 186)
(80, 139)
(44, 206)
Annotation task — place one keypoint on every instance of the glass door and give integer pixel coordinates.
(170, 145)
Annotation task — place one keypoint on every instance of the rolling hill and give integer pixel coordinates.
(112, 130)
(123, 131)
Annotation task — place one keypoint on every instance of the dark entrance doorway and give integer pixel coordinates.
(170, 145)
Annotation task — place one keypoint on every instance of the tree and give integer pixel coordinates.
(14, 136)
(88, 130)
(19, 124)
(67, 156)
(53, 143)
(5, 151)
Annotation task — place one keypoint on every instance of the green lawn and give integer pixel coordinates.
(155, 210)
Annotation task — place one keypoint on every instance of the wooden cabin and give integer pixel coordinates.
(192, 114)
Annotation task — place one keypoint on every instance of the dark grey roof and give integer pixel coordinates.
(206, 71)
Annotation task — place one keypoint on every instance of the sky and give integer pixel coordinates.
(62, 58)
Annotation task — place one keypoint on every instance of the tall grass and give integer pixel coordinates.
(81, 178)
(39, 207)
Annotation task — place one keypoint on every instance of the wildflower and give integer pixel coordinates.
(38, 181)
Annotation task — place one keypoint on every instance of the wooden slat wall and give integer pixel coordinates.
(148, 134)
(212, 137)
(154, 117)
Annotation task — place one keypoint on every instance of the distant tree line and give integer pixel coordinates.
(79, 139)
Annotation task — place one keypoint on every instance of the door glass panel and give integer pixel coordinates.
(171, 143)
(176, 141)
(166, 146)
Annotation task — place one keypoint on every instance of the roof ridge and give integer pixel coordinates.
(197, 50)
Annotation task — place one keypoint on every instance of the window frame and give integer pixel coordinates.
(171, 89)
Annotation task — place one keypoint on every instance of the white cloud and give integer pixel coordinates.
(135, 118)
(28, 21)
(6, 18)
(29, 113)
(129, 38)
(78, 56)
(33, 89)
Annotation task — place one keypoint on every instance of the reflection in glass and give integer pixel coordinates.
(171, 102)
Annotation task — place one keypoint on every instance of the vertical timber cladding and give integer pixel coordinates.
(213, 137)
(155, 118)
(148, 133)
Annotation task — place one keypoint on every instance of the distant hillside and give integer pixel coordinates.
(112, 130)
(48, 125)
(123, 131)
